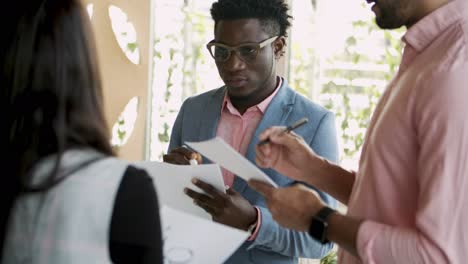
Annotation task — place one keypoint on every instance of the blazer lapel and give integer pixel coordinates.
(210, 117)
(276, 114)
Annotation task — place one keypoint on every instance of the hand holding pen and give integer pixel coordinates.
(288, 153)
(183, 156)
(195, 158)
(288, 129)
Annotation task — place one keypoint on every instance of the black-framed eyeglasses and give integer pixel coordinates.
(246, 52)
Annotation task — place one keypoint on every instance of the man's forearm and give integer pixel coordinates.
(343, 231)
(335, 181)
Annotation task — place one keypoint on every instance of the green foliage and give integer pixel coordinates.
(178, 53)
(120, 132)
(331, 258)
(303, 68)
(354, 117)
(164, 136)
(132, 46)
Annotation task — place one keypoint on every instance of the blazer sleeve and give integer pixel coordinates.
(273, 237)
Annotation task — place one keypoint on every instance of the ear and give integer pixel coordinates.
(279, 47)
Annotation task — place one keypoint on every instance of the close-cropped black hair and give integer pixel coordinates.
(273, 14)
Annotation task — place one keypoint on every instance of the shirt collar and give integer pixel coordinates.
(262, 106)
(423, 33)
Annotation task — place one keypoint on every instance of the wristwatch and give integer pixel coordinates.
(319, 225)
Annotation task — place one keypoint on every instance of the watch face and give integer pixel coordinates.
(317, 230)
(319, 225)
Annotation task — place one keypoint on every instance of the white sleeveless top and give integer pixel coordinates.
(69, 223)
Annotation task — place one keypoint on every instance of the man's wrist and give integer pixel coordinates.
(343, 230)
(319, 224)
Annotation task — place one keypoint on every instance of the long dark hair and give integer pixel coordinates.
(51, 98)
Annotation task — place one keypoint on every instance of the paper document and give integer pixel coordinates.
(170, 181)
(221, 153)
(189, 239)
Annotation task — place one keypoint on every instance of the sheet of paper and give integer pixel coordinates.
(189, 239)
(221, 153)
(170, 181)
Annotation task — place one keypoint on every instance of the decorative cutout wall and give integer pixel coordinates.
(122, 33)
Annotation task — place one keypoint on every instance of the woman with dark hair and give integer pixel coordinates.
(66, 199)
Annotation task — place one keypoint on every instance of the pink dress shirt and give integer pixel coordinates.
(412, 183)
(237, 130)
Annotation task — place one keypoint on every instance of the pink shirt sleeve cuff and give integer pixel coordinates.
(365, 240)
(257, 228)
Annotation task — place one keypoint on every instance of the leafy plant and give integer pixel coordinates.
(179, 64)
(362, 82)
(331, 258)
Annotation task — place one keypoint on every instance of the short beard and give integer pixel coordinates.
(389, 18)
(385, 24)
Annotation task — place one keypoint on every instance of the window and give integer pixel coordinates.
(182, 65)
(340, 59)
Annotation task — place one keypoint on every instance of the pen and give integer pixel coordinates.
(287, 129)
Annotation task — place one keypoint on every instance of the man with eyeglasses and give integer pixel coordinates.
(249, 39)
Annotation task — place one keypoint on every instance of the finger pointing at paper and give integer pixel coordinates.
(228, 208)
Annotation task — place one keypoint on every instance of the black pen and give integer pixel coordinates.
(287, 129)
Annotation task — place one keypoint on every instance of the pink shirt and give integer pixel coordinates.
(412, 185)
(237, 130)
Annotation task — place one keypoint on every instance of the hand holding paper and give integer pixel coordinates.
(170, 181)
(183, 156)
(229, 208)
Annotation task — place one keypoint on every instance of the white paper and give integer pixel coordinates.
(189, 239)
(170, 181)
(219, 152)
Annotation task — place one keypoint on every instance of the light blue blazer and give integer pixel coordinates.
(198, 120)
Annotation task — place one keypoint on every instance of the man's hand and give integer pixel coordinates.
(230, 209)
(182, 156)
(289, 154)
(292, 207)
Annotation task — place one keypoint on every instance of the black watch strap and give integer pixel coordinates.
(324, 213)
(318, 227)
